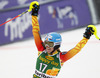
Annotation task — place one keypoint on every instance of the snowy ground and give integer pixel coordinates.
(17, 60)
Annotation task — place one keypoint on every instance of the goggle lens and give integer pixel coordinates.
(50, 44)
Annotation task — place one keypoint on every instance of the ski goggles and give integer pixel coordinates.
(48, 43)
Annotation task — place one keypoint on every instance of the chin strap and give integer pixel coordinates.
(55, 48)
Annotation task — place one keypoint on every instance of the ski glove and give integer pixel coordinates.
(88, 32)
(35, 10)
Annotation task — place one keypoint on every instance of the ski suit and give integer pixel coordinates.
(48, 66)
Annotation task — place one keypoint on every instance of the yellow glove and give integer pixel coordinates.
(32, 5)
(95, 31)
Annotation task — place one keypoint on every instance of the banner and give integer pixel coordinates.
(57, 16)
(64, 15)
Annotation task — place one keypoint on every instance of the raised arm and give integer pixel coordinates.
(74, 51)
(35, 28)
(66, 56)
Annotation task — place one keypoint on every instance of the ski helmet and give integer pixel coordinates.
(54, 37)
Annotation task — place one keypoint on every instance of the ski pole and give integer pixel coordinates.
(13, 18)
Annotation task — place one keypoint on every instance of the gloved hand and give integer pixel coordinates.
(35, 9)
(88, 32)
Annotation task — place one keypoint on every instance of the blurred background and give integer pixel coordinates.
(18, 52)
(54, 15)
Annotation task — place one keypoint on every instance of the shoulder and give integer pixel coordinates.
(63, 53)
(41, 52)
(63, 56)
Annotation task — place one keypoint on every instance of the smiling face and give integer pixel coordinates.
(49, 46)
(52, 42)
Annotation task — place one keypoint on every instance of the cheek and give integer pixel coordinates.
(52, 48)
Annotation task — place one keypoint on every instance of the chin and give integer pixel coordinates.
(49, 51)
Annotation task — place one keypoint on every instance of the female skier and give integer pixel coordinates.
(50, 57)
